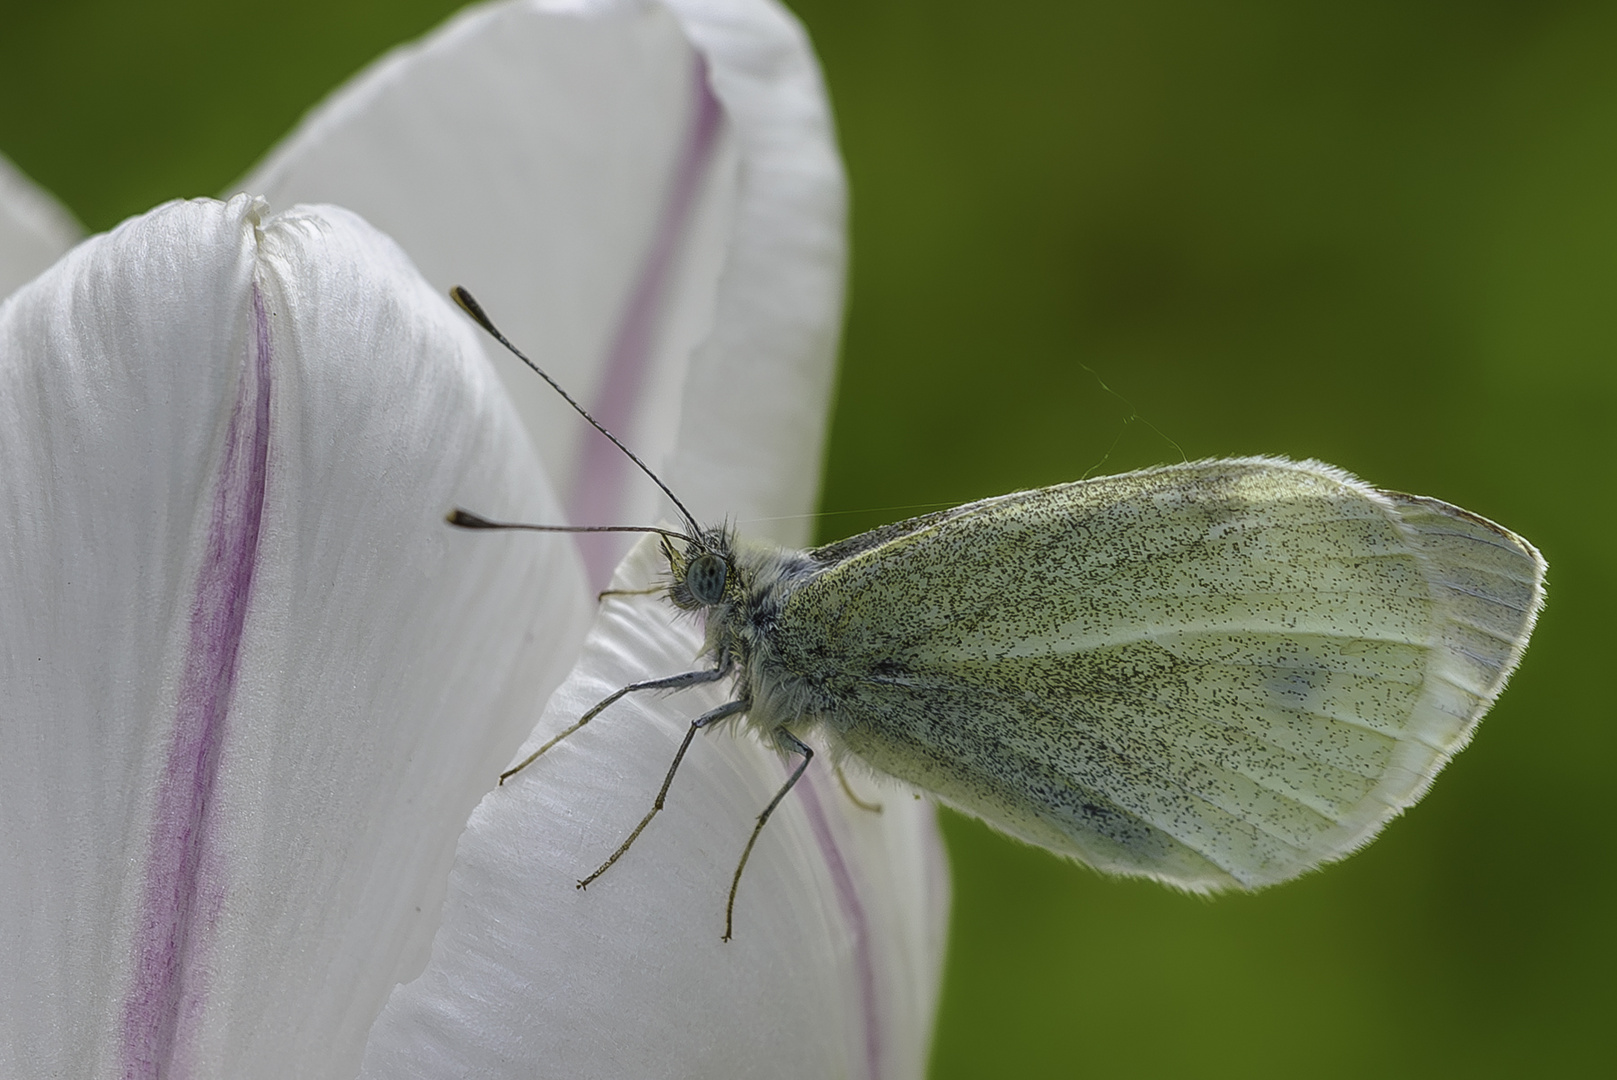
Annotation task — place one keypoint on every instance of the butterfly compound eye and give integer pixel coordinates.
(705, 578)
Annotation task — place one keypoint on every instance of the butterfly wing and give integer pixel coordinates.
(1217, 674)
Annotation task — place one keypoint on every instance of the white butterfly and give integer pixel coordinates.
(1218, 674)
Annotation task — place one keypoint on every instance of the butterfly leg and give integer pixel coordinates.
(653, 591)
(847, 789)
(729, 709)
(790, 743)
(671, 682)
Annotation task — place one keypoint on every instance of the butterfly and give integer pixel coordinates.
(1219, 674)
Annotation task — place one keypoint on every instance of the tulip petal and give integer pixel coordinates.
(834, 966)
(752, 424)
(252, 684)
(35, 230)
(658, 219)
(648, 199)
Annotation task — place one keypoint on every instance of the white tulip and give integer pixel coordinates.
(252, 687)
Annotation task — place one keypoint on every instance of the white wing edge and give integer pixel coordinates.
(1474, 566)
(1489, 584)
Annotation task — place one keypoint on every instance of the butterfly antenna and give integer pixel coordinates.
(465, 519)
(470, 306)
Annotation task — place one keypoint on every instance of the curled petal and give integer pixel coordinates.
(753, 417)
(647, 197)
(252, 684)
(35, 230)
(839, 917)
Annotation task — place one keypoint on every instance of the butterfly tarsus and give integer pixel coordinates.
(789, 742)
(712, 716)
(653, 591)
(847, 789)
(671, 682)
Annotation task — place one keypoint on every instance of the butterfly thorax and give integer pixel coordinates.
(742, 625)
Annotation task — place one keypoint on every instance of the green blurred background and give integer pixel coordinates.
(1091, 237)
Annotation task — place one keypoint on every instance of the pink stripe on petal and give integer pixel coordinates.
(853, 914)
(185, 882)
(598, 486)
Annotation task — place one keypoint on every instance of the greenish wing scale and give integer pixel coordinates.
(1220, 674)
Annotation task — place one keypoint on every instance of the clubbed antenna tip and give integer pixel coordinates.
(468, 303)
(465, 519)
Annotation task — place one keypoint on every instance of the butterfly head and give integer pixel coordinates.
(703, 572)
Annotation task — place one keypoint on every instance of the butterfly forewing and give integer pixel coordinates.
(1217, 674)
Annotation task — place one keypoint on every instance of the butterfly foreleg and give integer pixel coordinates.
(670, 682)
(792, 744)
(728, 709)
(653, 591)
